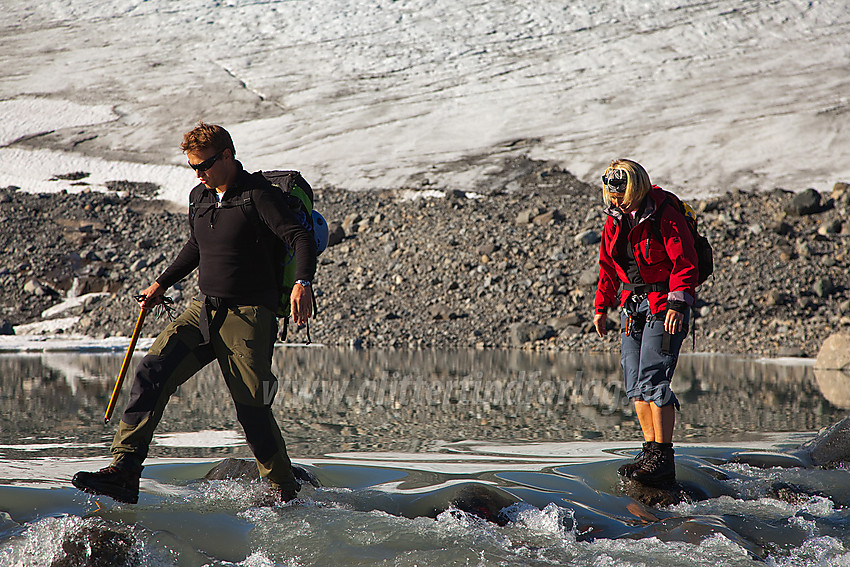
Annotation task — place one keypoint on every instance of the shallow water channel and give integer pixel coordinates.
(398, 438)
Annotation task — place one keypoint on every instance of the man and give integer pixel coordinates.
(232, 321)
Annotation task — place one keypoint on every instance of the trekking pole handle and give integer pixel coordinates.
(126, 364)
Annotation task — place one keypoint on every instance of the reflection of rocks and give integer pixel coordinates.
(835, 386)
(333, 400)
(832, 370)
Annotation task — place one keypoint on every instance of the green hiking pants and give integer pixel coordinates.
(241, 340)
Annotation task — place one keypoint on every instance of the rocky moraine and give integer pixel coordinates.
(511, 262)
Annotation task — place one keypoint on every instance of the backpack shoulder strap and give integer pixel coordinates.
(292, 183)
(655, 221)
(196, 199)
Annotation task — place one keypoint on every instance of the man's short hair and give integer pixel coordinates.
(207, 136)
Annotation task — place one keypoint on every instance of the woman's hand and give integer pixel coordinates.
(600, 321)
(673, 321)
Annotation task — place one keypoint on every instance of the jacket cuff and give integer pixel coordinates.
(681, 296)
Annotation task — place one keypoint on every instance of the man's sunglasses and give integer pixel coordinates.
(207, 163)
(615, 184)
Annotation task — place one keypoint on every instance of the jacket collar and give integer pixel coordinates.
(239, 184)
(646, 210)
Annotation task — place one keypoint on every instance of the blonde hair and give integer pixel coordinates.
(637, 182)
(207, 136)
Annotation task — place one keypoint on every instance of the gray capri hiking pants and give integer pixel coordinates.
(647, 366)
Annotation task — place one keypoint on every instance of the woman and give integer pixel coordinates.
(648, 250)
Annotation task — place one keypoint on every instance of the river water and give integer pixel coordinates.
(429, 458)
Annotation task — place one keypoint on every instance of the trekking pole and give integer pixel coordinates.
(111, 407)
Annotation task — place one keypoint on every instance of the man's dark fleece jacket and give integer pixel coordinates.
(233, 250)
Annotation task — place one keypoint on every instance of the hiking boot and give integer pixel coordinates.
(627, 469)
(119, 483)
(658, 469)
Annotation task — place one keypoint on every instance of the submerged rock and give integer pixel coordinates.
(830, 447)
(232, 469)
(481, 500)
(793, 493)
(662, 497)
(98, 545)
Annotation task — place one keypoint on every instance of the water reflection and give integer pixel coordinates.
(334, 399)
(835, 386)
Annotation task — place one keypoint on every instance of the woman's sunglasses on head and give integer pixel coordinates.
(614, 184)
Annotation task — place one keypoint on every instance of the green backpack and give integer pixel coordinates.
(299, 197)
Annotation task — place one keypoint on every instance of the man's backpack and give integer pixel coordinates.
(299, 197)
(705, 255)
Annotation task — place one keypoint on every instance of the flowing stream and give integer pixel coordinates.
(429, 458)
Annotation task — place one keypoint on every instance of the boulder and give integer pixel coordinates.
(336, 233)
(522, 333)
(587, 238)
(350, 222)
(823, 287)
(96, 544)
(834, 354)
(232, 469)
(830, 226)
(830, 447)
(839, 190)
(526, 216)
(548, 217)
(832, 370)
(806, 202)
(35, 287)
(589, 277)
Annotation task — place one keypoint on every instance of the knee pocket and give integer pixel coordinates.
(175, 335)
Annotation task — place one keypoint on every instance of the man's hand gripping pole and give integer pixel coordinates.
(126, 364)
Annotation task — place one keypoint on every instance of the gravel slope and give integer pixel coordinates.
(512, 263)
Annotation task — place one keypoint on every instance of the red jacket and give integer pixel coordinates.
(672, 259)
